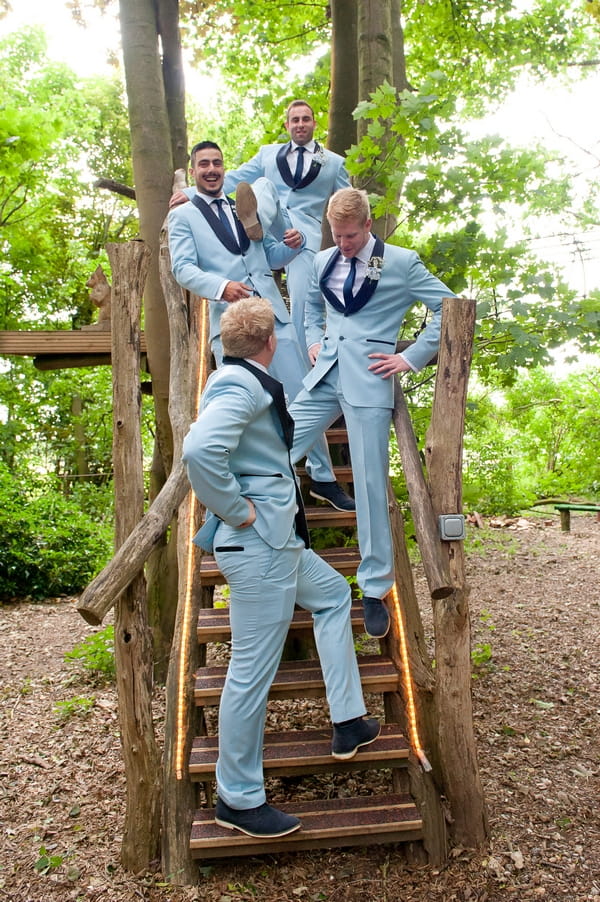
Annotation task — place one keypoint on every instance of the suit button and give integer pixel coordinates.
(341, 338)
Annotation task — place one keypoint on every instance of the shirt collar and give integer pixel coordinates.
(310, 146)
(366, 252)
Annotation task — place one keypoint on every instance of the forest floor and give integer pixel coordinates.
(535, 606)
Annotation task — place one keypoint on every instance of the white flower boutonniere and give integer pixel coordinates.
(319, 156)
(374, 267)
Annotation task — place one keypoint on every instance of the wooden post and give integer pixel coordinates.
(423, 783)
(461, 780)
(188, 325)
(435, 563)
(133, 644)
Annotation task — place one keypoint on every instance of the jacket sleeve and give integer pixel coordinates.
(248, 172)
(314, 311)
(427, 289)
(184, 258)
(225, 411)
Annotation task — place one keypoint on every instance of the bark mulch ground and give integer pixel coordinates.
(535, 606)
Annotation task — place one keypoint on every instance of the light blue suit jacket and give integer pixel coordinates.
(349, 339)
(235, 450)
(306, 203)
(201, 262)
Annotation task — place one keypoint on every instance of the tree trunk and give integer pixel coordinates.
(173, 79)
(133, 647)
(400, 81)
(375, 66)
(153, 173)
(461, 780)
(344, 75)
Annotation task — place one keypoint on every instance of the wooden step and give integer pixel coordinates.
(337, 436)
(298, 752)
(344, 560)
(326, 823)
(326, 515)
(343, 473)
(213, 623)
(300, 679)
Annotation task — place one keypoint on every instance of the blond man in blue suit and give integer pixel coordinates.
(358, 298)
(213, 257)
(305, 175)
(238, 460)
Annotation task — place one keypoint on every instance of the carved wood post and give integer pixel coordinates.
(444, 442)
(188, 326)
(422, 783)
(133, 645)
(435, 562)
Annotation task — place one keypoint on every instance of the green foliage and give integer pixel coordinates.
(96, 653)
(52, 223)
(78, 706)
(49, 547)
(539, 438)
(47, 862)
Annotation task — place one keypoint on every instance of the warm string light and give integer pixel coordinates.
(182, 720)
(411, 710)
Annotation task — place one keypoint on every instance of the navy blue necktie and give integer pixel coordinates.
(223, 216)
(349, 281)
(299, 165)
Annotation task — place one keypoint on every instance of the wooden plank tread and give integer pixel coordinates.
(213, 623)
(58, 341)
(326, 823)
(298, 752)
(300, 679)
(325, 515)
(343, 473)
(344, 560)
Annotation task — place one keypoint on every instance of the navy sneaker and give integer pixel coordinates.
(263, 821)
(333, 494)
(350, 736)
(376, 616)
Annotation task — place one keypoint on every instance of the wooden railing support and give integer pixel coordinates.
(189, 367)
(435, 563)
(443, 454)
(133, 642)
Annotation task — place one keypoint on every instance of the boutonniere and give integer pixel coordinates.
(374, 267)
(319, 156)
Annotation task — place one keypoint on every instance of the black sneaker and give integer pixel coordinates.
(333, 494)
(263, 821)
(376, 616)
(350, 736)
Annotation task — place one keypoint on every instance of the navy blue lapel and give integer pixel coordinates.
(284, 169)
(362, 295)
(220, 231)
(275, 389)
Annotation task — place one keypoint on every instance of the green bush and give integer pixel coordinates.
(49, 546)
(96, 653)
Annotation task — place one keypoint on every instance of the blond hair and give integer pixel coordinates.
(246, 326)
(349, 204)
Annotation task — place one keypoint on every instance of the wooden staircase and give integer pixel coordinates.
(390, 817)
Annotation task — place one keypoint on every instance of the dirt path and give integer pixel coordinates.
(535, 612)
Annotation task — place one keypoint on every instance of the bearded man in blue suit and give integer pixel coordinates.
(238, 461)
(213, 257)
(359, 296)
